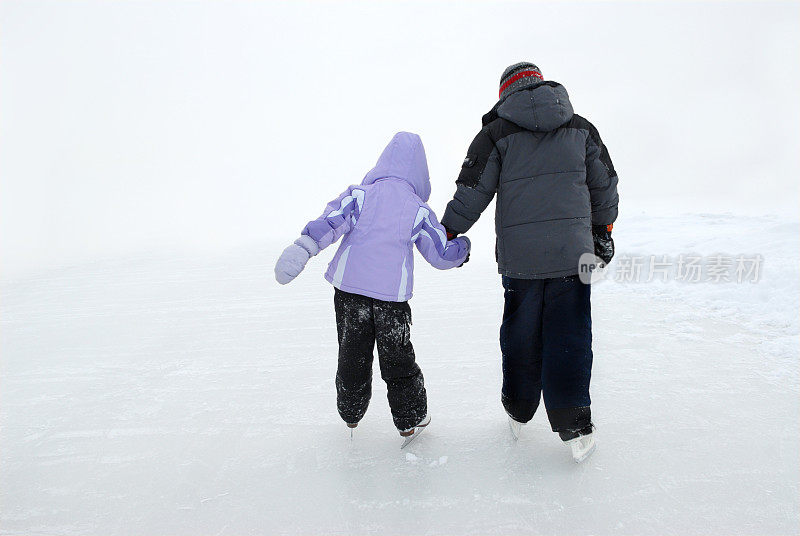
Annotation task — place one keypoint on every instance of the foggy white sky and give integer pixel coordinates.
(126, 126)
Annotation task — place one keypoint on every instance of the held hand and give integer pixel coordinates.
(294, 259)
(603, 243)
(469, 249)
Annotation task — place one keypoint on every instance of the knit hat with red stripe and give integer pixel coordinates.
(518, 76)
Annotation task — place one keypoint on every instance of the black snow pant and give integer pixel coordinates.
(546, 340)
(360, 323)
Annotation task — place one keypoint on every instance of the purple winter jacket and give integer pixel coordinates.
(381, 219)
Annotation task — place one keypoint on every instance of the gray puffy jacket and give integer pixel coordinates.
(553, 178)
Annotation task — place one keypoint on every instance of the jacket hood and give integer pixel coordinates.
(540, 108)
(404, 158)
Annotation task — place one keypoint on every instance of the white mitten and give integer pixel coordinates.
(294, 259)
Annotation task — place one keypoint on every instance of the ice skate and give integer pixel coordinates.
(351, 425)
(582, 446)
(515, 427)
(412, 433)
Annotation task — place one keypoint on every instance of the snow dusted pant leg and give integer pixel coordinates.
(521, 345)
(356, 330)
(567, 355)
(404, 382)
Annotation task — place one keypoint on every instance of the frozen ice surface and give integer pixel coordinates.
(185, 396)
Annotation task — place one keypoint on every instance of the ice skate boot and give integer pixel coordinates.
(412, 433)
(351, 425)
(515, 427)
(582, 444)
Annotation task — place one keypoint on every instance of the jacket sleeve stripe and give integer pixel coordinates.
(339, 217)
(431, 240)
(424, 226)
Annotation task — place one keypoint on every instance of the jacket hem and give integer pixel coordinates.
(367, 293)
(536, 275)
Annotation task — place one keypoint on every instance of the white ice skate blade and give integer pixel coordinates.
(516, 428)
(417, 431)
(582, 447)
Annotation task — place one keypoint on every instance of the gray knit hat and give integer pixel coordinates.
(518, 76)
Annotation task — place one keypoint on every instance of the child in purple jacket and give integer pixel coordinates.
(373, 275)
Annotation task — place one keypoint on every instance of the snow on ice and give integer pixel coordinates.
(193, 395)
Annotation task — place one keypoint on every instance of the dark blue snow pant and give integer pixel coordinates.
(546, 340)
